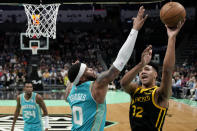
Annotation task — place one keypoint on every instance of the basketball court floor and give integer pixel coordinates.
(181, 116)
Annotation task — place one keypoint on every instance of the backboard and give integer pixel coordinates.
(27, 43)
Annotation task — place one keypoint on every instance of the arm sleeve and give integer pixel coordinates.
(126, 50)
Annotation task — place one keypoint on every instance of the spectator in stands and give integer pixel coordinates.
(1, 71)
(188, 87)
(195, 87)
(191, 85)
(2, 78)
(46, 76)
(53, 76)
(13, 59)
(66, 80)
(176, 87)
(8, 78)
(173, 81)
(60, 80)
(64, 71)
(14, 74)
(40, 72)
(183, 81)
(20, 77)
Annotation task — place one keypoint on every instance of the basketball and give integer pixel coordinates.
(171, 13)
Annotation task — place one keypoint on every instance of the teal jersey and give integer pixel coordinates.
(30, 109)
(87, 115)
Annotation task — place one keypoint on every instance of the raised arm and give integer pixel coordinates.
(42, 105)
(165, 89)
(100, 86)
(68, 89)
(126, 81)
(17, 112)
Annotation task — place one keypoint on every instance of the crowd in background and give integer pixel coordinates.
(53, 65)
(85, 46)
(184, 82)
(98, 47)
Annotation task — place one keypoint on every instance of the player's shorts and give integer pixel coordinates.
(33, 127)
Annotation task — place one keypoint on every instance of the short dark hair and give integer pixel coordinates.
(28, 80)
(155, 66)
(73, 72)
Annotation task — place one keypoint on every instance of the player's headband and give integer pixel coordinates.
(80, 73)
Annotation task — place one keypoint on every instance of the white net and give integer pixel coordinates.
(34, 50)
(41, 20)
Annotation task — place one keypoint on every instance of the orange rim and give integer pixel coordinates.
(34, 47)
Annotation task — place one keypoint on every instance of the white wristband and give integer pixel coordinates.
(46, 118)
(126, 50)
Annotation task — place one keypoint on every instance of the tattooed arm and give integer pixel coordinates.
(101, 84)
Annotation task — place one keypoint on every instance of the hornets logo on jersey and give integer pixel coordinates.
(30, 109)
(87, 115)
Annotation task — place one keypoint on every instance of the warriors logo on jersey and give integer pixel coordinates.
(145, 114)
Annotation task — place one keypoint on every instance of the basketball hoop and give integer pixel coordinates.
(41, 20)
(34, 50)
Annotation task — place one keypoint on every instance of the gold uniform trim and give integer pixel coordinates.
(153, 100)
(160, 122)
(143, 90)
(136, 90)
(158, 118)
(132, 97)
(162, 119)
(161, 113)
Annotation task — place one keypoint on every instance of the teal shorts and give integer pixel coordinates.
(33, 127)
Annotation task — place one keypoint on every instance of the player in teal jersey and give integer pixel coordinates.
(87, 95)
(31, 103)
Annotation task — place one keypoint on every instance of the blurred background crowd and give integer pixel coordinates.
(94, 34)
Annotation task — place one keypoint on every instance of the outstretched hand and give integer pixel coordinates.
(146, 55)
(138, 21)
(172, 32)
(77, 61)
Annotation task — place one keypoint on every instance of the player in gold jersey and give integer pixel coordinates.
(150, 103)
